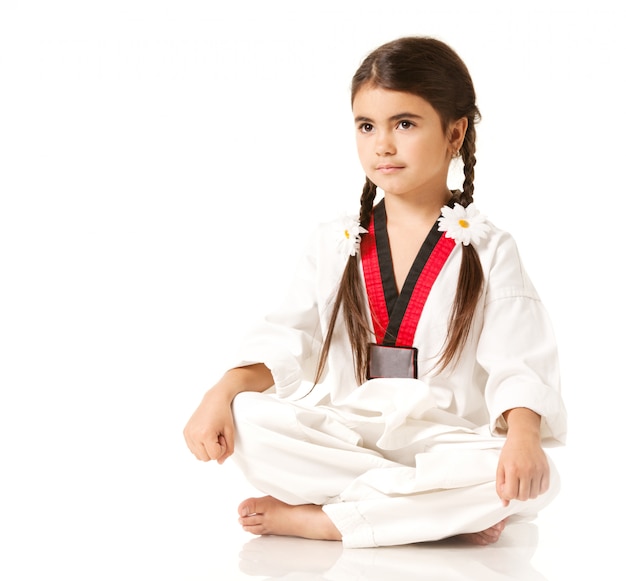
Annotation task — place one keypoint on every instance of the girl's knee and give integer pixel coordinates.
(246, 406)
(257, 409)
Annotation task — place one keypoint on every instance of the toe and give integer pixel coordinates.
(252, 520)
(247, 507)
(254, 506)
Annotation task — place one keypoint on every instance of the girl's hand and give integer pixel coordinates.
(523, 471)
(210, 432)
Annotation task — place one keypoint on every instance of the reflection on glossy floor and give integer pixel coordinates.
(554, 547)
(275, 558)
(135, 513)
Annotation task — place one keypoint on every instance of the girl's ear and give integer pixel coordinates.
(456, 134)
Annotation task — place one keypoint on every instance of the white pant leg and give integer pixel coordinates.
(308, 455)
(369, 516)
(296, 454)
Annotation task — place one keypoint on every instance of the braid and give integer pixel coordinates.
(350, 295)
(471, 276)
(468, 151)
(367, 202)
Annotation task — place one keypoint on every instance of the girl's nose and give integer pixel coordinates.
(385, 144)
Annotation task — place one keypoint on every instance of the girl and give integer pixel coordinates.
(435, 367)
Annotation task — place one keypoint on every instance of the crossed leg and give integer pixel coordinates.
(269, 516)
(286, 452)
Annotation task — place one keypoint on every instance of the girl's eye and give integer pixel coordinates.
(405, 125)
(366, 128)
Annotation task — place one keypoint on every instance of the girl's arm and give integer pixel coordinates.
(210, 432)
(523, 470)
(517, 346)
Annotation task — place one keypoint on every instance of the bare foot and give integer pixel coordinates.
(269, 516)
(486, 537)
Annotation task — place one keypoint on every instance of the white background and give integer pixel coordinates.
(160, 165)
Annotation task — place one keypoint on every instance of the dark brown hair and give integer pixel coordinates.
(430, 69)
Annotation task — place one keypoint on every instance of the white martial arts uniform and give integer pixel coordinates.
(396, 461)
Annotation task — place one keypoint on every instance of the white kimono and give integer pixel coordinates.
(396, 461)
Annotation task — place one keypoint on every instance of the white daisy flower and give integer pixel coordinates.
(463, 225)
(349, 236)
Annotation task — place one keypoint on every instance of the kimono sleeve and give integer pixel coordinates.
(517, 347)
(288, 340)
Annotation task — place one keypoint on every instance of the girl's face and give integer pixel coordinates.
(401, 143)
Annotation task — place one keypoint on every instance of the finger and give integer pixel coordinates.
(201, 454)
(224, 447)
(197, 450)
(228, 441)
(524, 489)
(500, 480)
(530, 487)
(501, 485)
(214, 449)
(544, 485)
(538, 484)
(510, 490)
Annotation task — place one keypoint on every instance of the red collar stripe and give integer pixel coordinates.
(374, 283)
(432, 268)
(395, 316)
